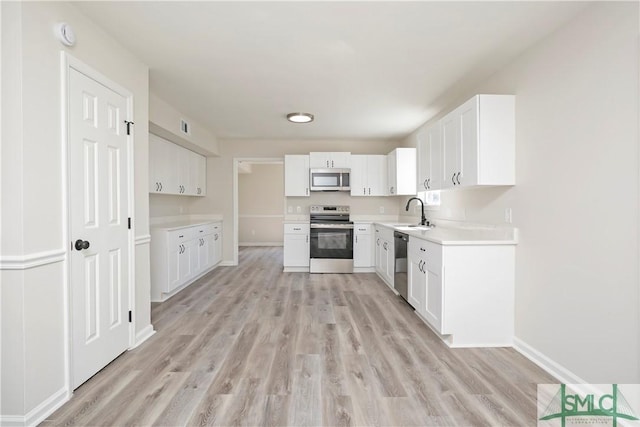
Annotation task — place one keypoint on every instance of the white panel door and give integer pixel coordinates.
(98, 203)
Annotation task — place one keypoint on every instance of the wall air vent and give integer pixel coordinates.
(185, 127)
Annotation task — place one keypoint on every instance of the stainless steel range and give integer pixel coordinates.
(331, 245)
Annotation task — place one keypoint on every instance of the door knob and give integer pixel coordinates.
(82, 244)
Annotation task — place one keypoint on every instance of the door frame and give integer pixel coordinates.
(236, 163)
(68, 63)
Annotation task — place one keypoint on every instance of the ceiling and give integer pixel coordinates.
(366, 70)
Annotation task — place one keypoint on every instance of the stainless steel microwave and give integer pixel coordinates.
(329, 180)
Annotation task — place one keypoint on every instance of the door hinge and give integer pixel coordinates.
(129, 126)
(130, 316)
(129, 223)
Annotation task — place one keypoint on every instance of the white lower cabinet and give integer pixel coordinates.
(384, 254)
(296, 247)
(363, 247)
(464, 293)
(180, 255)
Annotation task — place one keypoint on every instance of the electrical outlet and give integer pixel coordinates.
(507, 216)
(381, 209)
(298, 209)
(289, 209)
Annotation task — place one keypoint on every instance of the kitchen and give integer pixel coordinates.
(574, 202)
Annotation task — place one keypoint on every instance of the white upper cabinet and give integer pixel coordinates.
(327, 160)
(175, 170)
(401, 168)
(478, 140)
(429, 159)
(197, 174)
(296, 175)
(368, 175)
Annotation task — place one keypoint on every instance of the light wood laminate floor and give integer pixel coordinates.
(251, 345)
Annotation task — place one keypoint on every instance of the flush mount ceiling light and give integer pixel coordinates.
(300, 117)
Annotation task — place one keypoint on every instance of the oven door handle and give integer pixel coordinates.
(340, 226)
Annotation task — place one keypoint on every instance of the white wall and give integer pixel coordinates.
(576, 198)
(33, 296)
(261, 205)
(165, 122)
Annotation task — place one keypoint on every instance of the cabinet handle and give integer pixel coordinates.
(385, 246)
(453, 178)
(356, 239)
(160, 186)
(458, 178)
(429, 183)
(426, 185)
(215, 237)
(391, 190)
(364, 191)
(331, 163)
(420, 265)
(369, 190)
(378, 241)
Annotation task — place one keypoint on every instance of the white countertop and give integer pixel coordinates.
(462, 235)
(182, 223)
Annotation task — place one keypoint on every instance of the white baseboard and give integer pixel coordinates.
(296, 269)
(227, 264)
(143, 335)
(39, 413)
(562, 374)
(260, 244)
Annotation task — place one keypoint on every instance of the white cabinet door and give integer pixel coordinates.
(162, 171)
(452, 149)
(429, 159)
(182, 164)
(433, 308)
(296, 175)
(328, 160)
(377, 175)
(341, 160)
(296, 245)
(197, 174)
(216, 253)
(358, 176)
(416, 283)
(296, 250)
(478, 142)
(368, 175)
(363, 251)
(401, 164)
(320, 160)
(378, 251)
(391, 173)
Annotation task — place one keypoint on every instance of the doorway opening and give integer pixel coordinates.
(259, 202)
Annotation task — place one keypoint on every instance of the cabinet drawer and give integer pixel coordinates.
(178, 237)
(363, 228)
(203, 230)
(296, 229)
(430, 252)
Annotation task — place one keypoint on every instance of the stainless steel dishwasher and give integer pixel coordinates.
(400, 282)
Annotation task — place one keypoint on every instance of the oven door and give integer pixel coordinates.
(331, 241)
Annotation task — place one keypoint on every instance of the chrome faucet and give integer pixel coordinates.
(423, 220)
